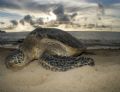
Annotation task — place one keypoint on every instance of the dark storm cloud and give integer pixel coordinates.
(46, 5)
(27, 5)
(8, 4)
(105, 2)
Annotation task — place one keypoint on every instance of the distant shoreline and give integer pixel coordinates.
(91, 39)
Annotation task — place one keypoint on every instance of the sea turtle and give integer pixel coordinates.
(56, 50)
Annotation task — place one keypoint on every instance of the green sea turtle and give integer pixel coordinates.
(56, 50)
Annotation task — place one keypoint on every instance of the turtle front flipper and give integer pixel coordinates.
(15, 60)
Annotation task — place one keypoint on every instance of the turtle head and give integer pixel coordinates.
(15, 60)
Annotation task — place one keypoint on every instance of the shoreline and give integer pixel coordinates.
(92, 40)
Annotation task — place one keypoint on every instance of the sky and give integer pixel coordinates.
(15, 9)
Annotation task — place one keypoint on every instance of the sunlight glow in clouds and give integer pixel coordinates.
(37, 7)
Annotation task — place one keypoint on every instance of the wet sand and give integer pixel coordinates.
(103, 77)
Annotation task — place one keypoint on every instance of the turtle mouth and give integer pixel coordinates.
(15, 59)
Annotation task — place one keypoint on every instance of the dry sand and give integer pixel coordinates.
(104, 77)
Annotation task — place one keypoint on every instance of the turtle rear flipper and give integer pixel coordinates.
(64, 63)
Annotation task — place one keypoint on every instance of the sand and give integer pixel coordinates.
(103, 77)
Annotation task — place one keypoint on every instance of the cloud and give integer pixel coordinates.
(23, 7)
(39, 7)
(105, 2)
(113, 10)
(45, 5)
(9, 4)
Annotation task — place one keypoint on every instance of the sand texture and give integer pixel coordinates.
(104, 77)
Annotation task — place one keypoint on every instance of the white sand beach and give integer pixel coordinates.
(103, 77)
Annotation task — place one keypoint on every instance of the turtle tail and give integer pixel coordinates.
(64, 63)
